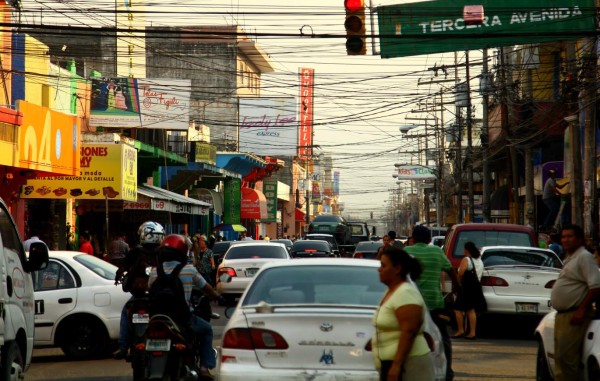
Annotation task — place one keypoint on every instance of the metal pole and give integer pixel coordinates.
(487, 213)
(459, 214)
(589, 107)
(469, 142)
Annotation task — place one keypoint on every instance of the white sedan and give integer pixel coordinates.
(242, 261)
(544, 334)
(518, 280)
(77, 305)
(309, 319)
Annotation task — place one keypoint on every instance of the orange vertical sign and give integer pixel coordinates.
(306, 113)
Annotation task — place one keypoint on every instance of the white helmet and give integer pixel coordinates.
(151, 232)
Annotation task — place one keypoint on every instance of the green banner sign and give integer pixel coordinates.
(438, 26)
(270, 192)
(232, 201)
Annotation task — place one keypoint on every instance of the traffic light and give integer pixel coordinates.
(356, 43)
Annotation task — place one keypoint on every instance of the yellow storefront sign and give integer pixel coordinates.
(107, 171)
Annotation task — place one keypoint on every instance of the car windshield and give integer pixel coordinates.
(505, 257)
(368, 246)
(326, 218)
(483, 238)
(325, 284)
(303, 245)
(97, 265)
(256, 251)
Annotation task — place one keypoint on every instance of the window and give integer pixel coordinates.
(483, 238)
(53, 277)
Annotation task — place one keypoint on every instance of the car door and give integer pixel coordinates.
(55, 296)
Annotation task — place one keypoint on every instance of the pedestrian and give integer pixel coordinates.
(410, 241)
(554, 245)
(400, 350)
(386, 243)
(33, 238)
(267, 238)
(470, 299)
(551, 198)
(393, 241)
(85, 246)
(575, 289)
(434, 262)
(204, 260)
(118, 249)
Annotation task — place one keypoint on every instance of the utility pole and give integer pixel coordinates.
(576, 162)
(459, 218)
(484, 139)
(588, 96)
(469, 142)
(529, 189)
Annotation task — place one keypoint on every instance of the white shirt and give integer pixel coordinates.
(27, 243)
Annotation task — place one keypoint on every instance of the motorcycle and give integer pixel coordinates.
(138, 319)
(171, 351)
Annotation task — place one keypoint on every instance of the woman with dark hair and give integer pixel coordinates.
(470, 298)
(400, 350)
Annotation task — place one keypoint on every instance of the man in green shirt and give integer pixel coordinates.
(434, 261)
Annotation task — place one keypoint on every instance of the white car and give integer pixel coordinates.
(518, 279)
(77, 305)
(242, 261)
(438, 240)
(309, 319)
(544, 334)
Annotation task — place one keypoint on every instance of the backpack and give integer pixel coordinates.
(167, 296)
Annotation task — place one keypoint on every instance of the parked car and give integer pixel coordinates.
(287, 242)
(325, 237)
(438, 240)
(485, 234)
(312, 248)
(309, 319)
(78, 306)
(360, 232)
(219, 249)
(518, 280)
(367, 249)
(242, 261)
(332, 224)
(544, 335)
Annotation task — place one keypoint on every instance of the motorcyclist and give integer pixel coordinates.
(133, 276)
(174, 250)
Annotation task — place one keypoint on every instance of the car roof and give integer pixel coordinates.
(490, 226)
(61, 254)
(321, 261)
(255, 243)
(311, 242)
(319, 235)
(506, 247)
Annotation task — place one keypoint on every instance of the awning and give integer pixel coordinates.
(253, 204)
(166, 201)
(186, 176)
(300, 215)
(209, 196)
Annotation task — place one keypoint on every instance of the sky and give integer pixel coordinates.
(360, 101)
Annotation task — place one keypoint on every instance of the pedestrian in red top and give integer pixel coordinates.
(84, 243)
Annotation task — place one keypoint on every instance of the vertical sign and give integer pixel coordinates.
(306, 113)
(231, 212)
(336, 183)
(270, 191)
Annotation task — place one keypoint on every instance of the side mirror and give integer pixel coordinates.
(38, 257)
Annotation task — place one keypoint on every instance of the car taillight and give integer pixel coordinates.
(359, 255)
(550, 284)
(226, 270)
(493, 281)
(310, 250)
(253, 338)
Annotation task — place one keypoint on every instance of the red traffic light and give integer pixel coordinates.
(354, 5)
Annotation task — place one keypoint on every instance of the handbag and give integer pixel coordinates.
(473, 285)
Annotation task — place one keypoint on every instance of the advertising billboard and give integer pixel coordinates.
(268, 126)
(415, 172)
(306, 113)
(107, 171)
(438, 26)
(270, 192)
(140, 103)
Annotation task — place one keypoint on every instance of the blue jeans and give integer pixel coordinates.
(553, 206)
(204, 339)
(124, 329)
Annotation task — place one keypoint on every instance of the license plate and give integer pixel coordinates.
(251, 272)
(323, 228)
(531, 308)
(158, 345)
(140, 318)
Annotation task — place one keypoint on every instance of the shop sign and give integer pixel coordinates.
(48, 140)
(438, 26)
(232, 201)
(415, 172)
(142, 203)
(206, 153)
(253, 204)
(107, 171)
(270, 192)
(305, 138)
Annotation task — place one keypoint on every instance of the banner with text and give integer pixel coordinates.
(438, 26)
(270, 192)
(415, 172)
(107, 171)
(141, 103)
(268, 126)
(305, 141)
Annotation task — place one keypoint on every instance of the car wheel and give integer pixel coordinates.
(593, 369)
(542, 371)
(12, 362)
(84, 339)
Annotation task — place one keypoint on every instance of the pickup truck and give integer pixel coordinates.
(359, 233)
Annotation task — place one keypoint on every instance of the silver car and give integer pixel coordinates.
(241, 262)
